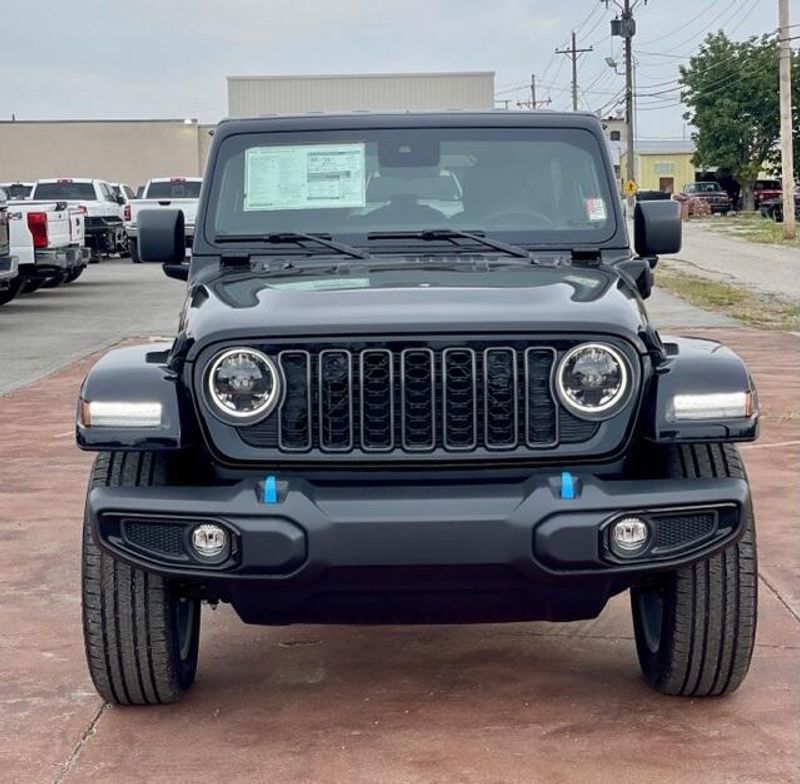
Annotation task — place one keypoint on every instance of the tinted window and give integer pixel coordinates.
(173, 190)
(703, 187)
(543, 185)
(17, 190)
(77, 191)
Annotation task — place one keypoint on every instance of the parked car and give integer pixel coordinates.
(125, 195)
(712, 194)
(42, 237)
(104, 210)
(766, 190)
(17, 190)
(9, 271)
(162, 193)
(773, 208)
(394, 415)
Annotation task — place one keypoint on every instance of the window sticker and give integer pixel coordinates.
(596, 210)
(305, 177)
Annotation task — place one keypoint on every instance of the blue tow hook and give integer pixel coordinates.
(568, 489)
(271, 490)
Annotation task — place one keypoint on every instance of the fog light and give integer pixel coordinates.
(209, 540)
(629, 537)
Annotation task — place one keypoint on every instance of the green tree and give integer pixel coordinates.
(731, 89)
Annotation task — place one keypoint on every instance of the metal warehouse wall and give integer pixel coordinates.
(254, 95)
(117, 151)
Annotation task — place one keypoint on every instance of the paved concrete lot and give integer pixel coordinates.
(769, 269)
(113, 300)
(47, 330)
(506, 703)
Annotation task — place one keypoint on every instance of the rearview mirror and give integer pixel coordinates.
(162, 236)
(657, 228)
(176, 271)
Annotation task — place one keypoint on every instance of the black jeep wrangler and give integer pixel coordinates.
(414, 381)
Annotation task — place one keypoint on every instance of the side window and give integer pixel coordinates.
(106, 192)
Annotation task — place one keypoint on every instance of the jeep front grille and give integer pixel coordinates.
(417, 400)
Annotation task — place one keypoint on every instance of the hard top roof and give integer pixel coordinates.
(498, 118)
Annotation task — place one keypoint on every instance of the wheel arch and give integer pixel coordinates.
(695, 366)
(137, 374)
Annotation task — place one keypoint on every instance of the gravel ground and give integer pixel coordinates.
(768, 269)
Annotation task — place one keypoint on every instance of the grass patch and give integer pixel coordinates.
(750, 226)
(739, 302)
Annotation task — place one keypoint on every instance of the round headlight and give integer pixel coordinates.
(244, 384)
(593, 380)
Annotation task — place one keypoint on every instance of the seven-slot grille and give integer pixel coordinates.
(417, 400)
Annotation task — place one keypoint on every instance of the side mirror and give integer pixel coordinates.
(176, 271)
(657, 228)
(120, 199)
(162, 236)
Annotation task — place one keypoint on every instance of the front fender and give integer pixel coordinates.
(138, 374)
(698, 367)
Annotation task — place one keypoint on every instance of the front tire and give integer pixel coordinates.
(695, 629)
(133, 250)
(141, 635)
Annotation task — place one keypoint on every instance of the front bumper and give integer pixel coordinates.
(347, 552)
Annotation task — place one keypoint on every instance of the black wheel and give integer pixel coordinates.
(74, 275)
(141, 635)
(695, 629)
(133, 250)
(6, 295)
(31, 285)
(55, 281)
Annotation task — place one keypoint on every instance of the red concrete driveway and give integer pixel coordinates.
(512, 703)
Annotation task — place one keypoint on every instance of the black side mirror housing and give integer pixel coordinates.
(121, 200)
(657, 228)
(176, 271)
(162, 236)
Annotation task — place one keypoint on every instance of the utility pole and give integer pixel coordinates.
(573, 52)
(533, 104)
(625, 28)
(787, 142)
(628, 31)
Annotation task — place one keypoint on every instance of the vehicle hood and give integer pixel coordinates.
(215, 313)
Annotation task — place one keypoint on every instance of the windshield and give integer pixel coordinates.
(704, 187)
(523, 185)
(67, 190)
(17, 190)
(175, 189)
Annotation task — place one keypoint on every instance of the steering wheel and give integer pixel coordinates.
(519, 217)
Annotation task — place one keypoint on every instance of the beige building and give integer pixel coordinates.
(663, 165)
(254, 95)
(129, 151)
(133, 151)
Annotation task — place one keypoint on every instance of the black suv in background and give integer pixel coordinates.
(388, 401)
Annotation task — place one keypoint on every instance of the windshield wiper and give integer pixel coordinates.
(432, 235)
(296, 238)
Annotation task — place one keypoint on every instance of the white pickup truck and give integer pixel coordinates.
(102, 208)
(176, 193)
(9, 270)
(45, 238)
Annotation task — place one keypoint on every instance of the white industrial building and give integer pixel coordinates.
(255, 95)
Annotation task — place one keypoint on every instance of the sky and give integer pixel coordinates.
(114, 59)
